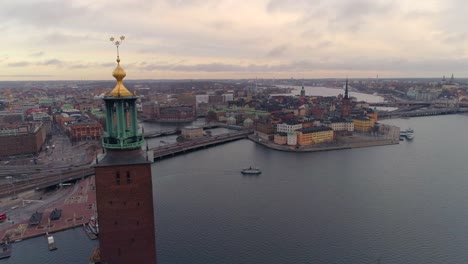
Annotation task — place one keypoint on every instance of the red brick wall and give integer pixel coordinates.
(125, 214)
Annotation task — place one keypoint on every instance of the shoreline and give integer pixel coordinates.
(335, 146)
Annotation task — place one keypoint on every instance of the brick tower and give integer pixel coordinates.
(346, 104)
(124, 193)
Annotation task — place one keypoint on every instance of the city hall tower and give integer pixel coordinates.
(124, 193)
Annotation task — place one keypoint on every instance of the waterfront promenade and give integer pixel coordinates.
(355, 141)
(77, 202)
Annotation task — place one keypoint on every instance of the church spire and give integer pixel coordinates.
(346, 89)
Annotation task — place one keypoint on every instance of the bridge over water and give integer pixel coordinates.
(167, 132)
(426, 112)
(177, 148)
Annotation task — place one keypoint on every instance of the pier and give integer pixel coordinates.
(177, 148)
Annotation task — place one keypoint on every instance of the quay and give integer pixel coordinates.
(77, 207)
(177, 148)
(357, 142)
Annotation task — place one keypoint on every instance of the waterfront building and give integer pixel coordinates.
(124, 189)
(280, 138)
(363, 123)
(288, 126)
(292, 138)
(192, 132)
(264, 128)
(340, 126)
(314, 135)
(20, 139)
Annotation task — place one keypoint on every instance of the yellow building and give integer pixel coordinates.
(363, 124)
(314, 135)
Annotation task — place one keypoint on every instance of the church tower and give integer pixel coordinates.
(302, 91)
(124, 189)
(345, 103)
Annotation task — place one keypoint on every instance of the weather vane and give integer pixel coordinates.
(117, 44)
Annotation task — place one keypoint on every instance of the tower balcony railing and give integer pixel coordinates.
(128, 143)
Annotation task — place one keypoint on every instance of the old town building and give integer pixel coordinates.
(314, 135)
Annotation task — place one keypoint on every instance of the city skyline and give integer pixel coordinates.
(194, 39)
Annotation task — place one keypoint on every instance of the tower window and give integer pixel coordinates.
(117, 178)
(138, 223)
(129, 178)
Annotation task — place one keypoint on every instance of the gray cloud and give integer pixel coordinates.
(24, 75)
(278, 51)
(354, 64)
(42, 13)
(291, 5)
(18, 64)
(55, 62)
(37, 54)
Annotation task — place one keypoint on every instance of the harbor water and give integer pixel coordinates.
(403, 203)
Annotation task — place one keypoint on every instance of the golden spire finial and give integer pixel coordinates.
(119, 73)
(117, 44)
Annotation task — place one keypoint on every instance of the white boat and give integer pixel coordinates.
(252, 171)
(51, 243)
(409, 133)
(93, 225)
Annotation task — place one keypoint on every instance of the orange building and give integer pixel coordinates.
(84, 130)
(281, 138)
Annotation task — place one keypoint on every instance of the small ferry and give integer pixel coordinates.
(409, 133)
(93, 225)
(251, 171)
(51, 243)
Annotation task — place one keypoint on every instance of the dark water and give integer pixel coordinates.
(405, 203)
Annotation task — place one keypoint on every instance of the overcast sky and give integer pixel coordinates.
(198, 39)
